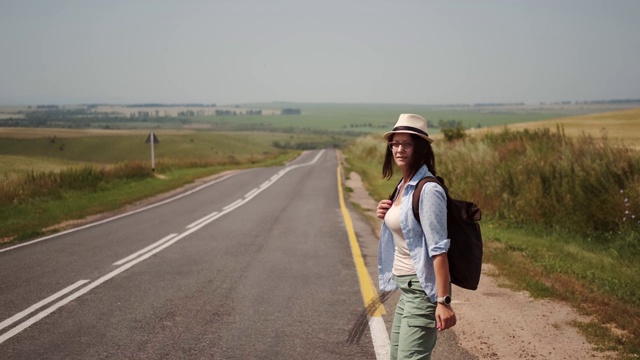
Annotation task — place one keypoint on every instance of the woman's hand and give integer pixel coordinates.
(383, 207)
(445, 317)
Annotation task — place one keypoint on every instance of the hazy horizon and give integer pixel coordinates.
(350, 52)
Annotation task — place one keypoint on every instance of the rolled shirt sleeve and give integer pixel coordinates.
(433, 217)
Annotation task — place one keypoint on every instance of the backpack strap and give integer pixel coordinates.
(416, 194)
(395, 191)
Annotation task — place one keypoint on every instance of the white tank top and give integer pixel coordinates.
(402, 264)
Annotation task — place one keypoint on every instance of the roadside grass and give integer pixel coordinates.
(44, 215)
(13, 166)
(50, 179)
(596, 282)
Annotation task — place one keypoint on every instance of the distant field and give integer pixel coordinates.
(109, 147)
(206, 137)
(623, 125)
(175, 110)
(342, 118)
(34, 133)
(372, 118)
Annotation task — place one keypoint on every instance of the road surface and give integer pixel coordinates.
(256, 265)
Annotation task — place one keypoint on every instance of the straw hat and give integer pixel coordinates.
(410, 124)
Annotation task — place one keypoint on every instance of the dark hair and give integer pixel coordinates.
(422, 155)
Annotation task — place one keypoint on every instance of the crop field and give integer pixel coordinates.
(623, 125)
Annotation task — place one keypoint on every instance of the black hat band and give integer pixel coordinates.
(410, 128)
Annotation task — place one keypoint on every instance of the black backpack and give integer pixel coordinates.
(465, 251)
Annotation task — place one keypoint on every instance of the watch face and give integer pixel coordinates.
(445, 300)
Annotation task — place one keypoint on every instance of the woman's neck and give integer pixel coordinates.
(406, 175)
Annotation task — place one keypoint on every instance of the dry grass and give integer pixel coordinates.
(623, 125)
(12, 166)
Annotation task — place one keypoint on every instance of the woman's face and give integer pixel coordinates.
(402, 149)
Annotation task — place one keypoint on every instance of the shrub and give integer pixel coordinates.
(454, 133)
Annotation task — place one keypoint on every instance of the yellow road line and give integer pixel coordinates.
(369, 294)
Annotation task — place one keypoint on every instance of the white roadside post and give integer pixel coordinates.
(152, 139)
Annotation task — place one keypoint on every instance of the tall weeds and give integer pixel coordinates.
(582, 185)
(33, 185)
(20, 188)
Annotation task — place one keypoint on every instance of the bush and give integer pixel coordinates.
(455, 133)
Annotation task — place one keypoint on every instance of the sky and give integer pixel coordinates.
(373, 51)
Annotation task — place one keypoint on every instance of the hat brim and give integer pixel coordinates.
(387, 135)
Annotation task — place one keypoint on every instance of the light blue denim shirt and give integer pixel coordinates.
(424, 241)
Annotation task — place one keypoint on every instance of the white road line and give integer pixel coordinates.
(155, 248)
(233, 205)
(40, 304)
(16, 330)
(118, 216)
(136, 254)
(379, 337)
(197, 222)
(251, 193)
(265, 184)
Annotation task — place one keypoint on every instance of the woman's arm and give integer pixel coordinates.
(445, 316)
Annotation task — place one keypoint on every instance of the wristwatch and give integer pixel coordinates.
(446, 300)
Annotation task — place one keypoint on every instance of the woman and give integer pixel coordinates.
(413, 255)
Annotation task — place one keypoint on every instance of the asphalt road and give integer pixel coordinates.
(254, 265)
(270, 276)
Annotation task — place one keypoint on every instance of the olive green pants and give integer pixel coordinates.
(414, 333)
